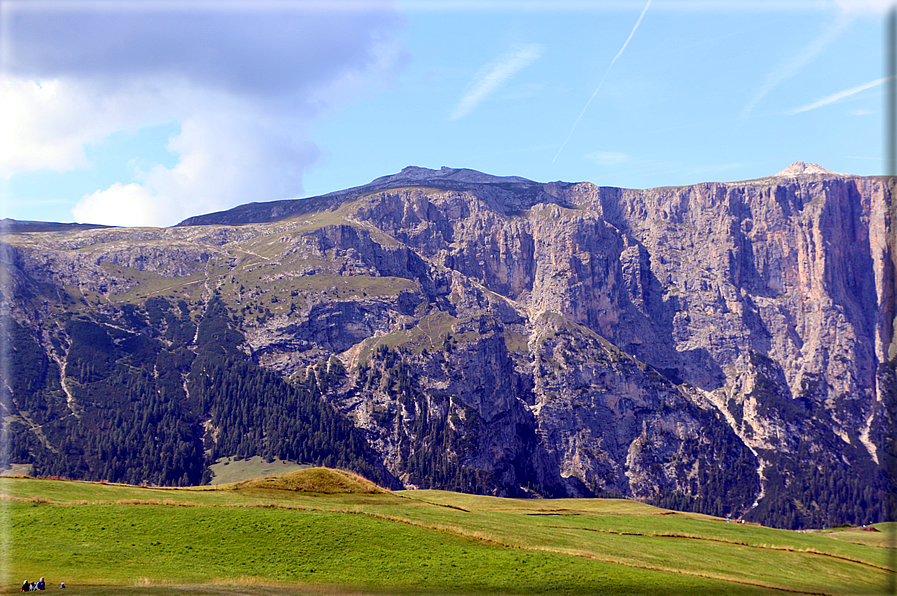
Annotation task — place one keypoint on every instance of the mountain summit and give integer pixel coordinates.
(724, 347)
(446, 174)
(800, 168)
(444, 178)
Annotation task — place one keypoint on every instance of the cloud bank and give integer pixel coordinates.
(244, 83)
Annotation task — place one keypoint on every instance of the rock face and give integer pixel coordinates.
(723, 347)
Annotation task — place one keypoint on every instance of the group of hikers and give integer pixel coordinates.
(28, 586)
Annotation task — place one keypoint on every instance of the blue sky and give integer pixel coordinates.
(149, 111)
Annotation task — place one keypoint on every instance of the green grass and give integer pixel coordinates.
(516, 342)
(430, 333)
(283, 535)
(885, 536)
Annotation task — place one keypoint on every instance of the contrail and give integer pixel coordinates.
(495, 77)
(838, 96)
(790, 68)
(620, 53)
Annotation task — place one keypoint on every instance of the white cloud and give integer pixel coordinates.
(46, 123)
(34, 131)
(244, 84)
(494, 75)
(229, 154)
(121, 205)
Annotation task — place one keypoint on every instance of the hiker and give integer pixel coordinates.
(26, 587)
(41, 585)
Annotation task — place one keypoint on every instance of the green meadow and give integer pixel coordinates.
(317, 531)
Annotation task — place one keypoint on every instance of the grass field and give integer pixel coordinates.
(323, 532)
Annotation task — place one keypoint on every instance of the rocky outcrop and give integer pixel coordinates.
(719, 347)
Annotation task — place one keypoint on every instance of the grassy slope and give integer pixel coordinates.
(886, 536)
(419, 542)
(259, 258)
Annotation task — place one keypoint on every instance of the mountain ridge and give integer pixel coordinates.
(445, 178)
(720, 347)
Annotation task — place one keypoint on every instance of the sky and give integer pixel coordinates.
(146, 112)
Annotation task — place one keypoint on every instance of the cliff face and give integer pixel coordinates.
(722, 347)
(798, 270)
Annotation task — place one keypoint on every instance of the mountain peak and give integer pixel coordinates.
(445, 177)
(446, 174)
(800, 168)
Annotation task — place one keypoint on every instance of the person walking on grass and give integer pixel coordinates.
(26, 587)
(41, 585)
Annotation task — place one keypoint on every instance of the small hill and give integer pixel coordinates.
(315, 480)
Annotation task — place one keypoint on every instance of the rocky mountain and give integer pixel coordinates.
(722, 347)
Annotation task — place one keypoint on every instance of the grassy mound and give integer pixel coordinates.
(322, 481)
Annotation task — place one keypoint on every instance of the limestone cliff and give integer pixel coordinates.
(724, 347)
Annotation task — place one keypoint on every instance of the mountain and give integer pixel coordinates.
(723, 347)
